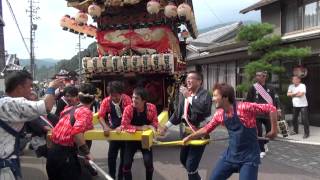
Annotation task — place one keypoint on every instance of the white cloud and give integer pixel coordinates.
(52, 42)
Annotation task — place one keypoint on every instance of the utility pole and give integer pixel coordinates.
(79, 55)
(33, 8)
(2, 52)
(79, 52)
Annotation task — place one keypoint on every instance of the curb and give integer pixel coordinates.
(297, 141)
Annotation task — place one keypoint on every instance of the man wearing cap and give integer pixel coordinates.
(261, 93)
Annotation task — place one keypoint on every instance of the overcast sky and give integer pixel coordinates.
(52, 42)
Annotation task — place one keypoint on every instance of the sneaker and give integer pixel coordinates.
(293, 133)
(305, 136)
(266, 148)
(262, 155)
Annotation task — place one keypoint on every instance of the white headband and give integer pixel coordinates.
(86, 95)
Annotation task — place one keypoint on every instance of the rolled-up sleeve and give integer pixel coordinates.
(126, 120)
(216, 120)
(262, 108)
(27, 110)
(153, 115)
(104, 107)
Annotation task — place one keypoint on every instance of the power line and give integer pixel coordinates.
(211, 10)
(15, 20)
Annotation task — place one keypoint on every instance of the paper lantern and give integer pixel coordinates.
(126, 63)
(116, 64)
(95, 63)
(153, 7)
(134, 1)
(127, 1)
(81, 18)
(85, 62)
(100, 66)
(184, 11)
(146, 63)
(104, 62)
(136, 63)
(107, 63)
(94, 10)
(168, 61)
(155, 62)
(115, 2)
(131, 1)
(300, 71)
(170, 11)
(64, 22)
(90, 65)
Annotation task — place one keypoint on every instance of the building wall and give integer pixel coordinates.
(272, 14)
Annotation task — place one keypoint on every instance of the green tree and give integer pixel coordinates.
(267, 47)
(73, 63)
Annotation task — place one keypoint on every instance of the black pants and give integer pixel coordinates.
(63, 163)
(114, 148)
(190, 157)
(130, 149)
(267, 125)
(304, 119)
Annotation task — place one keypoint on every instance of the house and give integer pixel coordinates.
(214, 52)
(298, 24)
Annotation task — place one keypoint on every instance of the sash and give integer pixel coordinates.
(263, 93)
(185, 112)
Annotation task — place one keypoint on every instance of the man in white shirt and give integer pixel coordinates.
(15, 110)
(297, 91)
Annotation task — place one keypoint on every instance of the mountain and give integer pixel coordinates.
(47, 62)
(203, 30)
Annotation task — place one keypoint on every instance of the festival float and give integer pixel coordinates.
(140, 42)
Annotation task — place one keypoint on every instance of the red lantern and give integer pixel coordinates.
(94, 10)
(300, 71)
(170, 11)
(153, 7)
(81, 18)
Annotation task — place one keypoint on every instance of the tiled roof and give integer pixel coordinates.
(215, 36)
(1, 21)
(257, 5)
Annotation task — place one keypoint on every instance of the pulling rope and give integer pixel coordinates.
(97, 168)
(201, 142)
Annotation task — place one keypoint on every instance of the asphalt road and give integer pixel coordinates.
(285, 161)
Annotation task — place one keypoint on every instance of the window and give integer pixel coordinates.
(301, 15)
(219, 72)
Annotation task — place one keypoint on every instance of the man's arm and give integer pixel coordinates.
(266, 108)
(82, 146)
(126, 121)
(290, 92)
(215, 121)
(154, 116)
(302, 91)
(49, 99)
(273, 121)
(102, 114)
(196, 135)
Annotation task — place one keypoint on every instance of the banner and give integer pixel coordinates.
(151, 40)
